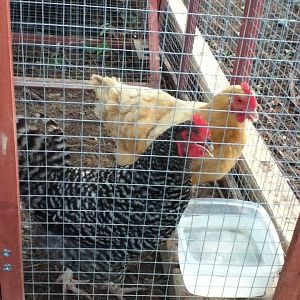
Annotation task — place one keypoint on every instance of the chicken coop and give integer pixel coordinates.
(131, 165)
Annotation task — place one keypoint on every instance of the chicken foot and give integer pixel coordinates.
(118, 291)
(69, 283)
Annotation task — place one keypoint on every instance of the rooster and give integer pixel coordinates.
(95, 220)
(134, 116)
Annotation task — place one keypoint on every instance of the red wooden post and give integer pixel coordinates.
(193, 8)
(288, 286)
(250, 27)
(11, 274)
(154, 43)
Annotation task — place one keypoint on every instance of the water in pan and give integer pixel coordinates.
(222, 247)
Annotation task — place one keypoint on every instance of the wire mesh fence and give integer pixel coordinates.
(73, 40)
(74, 212)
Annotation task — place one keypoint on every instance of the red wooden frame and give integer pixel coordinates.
(247, 42)
(189, 37)
(68, 41)
(10, 228)
(153, 40)
(288, 286)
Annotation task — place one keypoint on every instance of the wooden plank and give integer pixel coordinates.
(35, 39)
(61, 83)
(211, 78)
(229, 188)
(267, 185)
(52, 83)
(288, 286)
(246, 48)
(189, 36)
(11, 282)
(153, 41)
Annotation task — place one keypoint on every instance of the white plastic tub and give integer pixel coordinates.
(228, 248)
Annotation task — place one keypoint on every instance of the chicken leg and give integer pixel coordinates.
(69, 283)
(118, 292)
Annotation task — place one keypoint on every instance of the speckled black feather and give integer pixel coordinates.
(96, 219)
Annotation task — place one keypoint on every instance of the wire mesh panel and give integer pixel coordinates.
(74, 39)
(219, 25)
(106, 176)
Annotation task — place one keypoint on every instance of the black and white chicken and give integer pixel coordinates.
(93, 221)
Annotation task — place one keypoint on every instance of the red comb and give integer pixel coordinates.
(246, 88)
(247, 91)
(198, 121)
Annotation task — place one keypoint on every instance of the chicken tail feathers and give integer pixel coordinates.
(107, 93)
(99, 81)
(41, 144)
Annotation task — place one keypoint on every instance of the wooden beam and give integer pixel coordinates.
(250, 28)
(202, 61)
(288, 286)
(189, 36)
(266, 185)
(61, 83)
(153, 41)
(11, 269)
(52, 83)
(53, 40)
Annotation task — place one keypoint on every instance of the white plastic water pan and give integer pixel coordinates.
(228, 248)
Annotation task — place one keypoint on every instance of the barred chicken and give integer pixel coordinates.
(134, 116)
(93, 221)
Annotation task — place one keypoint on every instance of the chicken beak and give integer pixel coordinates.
(252, 116)
(207, 147)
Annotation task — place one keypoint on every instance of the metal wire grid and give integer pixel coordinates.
(278, 69)
(74, 110)
(275, 69)
(220, 26)
(219, 23)
(82, 135)
(171, 43)
(73, 40)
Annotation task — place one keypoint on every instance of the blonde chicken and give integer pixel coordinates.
(135, 116)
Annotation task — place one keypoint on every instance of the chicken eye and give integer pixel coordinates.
(239, 100)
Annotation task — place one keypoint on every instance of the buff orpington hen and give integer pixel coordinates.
(135, 115)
